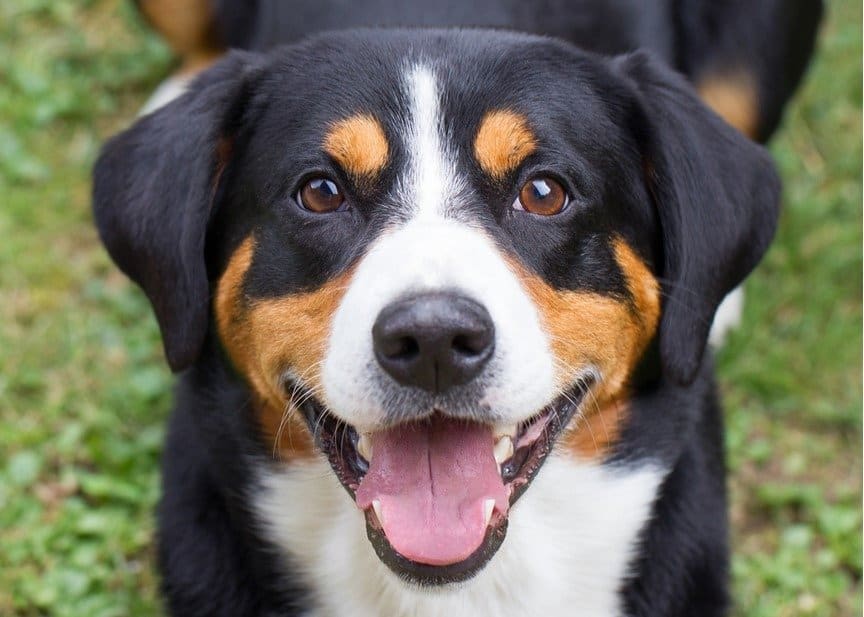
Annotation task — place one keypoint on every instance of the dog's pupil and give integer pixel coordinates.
(321, 195)
(541, 189)
(325, 187)
(543, 196)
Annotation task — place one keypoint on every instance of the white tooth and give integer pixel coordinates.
(503, 449)
(504, 429)
(488, 507)
(376, 505)
(364, 447)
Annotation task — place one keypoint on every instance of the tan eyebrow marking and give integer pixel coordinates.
(359, 145)
(503, 141)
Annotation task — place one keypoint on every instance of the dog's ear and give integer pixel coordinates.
(717, 196)
(153, 190)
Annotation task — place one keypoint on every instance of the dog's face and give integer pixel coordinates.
(432, 257)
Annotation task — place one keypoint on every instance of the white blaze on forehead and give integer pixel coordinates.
(431, 181)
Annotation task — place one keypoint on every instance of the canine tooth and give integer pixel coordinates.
(488, 507)
(376, 505)
(503, 449)
(502, 430)
(364, 447)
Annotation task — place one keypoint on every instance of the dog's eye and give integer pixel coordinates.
(321, 195)
(543, 196)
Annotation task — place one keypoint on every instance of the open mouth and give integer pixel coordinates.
(436, 492)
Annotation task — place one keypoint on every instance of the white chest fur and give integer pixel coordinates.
(570, 539)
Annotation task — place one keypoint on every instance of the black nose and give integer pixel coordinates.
(433, 341)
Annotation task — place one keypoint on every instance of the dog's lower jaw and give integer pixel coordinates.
(570, 541)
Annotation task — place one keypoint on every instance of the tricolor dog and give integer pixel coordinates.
(439, 301)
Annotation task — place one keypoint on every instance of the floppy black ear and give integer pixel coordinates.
(717, 198)
(153, 189)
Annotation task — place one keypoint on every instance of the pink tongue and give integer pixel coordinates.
(432, 480)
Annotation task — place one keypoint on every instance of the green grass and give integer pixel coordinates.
(84, 391)
(791, 376)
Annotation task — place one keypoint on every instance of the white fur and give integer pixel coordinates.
(727, 317)
(433, 251)
(432, 182)
(167, 91)
(425, 256)
(570, 540)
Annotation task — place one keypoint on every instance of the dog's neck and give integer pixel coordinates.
(561, 555)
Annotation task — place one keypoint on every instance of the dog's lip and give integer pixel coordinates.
(426, 575)
(338, 441)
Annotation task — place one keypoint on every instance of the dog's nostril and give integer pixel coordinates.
(469, 344)
(401, 348)
(433, 341)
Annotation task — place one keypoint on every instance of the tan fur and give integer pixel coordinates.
(734, 97)
(359, 145)
(266, 336)
(611, 334)
(595, 432)
(503, 141)
(187, 27)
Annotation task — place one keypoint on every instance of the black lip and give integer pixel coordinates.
(561, 411)
(332, 435)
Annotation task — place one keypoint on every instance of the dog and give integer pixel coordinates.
(744, 58)
(438, 300)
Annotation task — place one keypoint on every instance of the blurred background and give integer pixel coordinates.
(84, 391)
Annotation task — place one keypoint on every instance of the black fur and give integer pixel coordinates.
(154, 223)
(771, 40)
(706, 188)
(645, 160)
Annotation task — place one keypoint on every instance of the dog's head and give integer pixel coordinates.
(423, 251)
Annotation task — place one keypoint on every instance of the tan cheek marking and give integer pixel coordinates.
(359, 145)
(263, 337)
(643, 287)
(590, 328)
(503, 141)
(597, 431)
(734, 97)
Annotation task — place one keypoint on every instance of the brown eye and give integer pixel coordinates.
(321, 195)
(542, 196)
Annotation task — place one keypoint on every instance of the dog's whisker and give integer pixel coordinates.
(293, 404)
(598, 412)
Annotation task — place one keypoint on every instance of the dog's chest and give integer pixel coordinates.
(570, 540)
